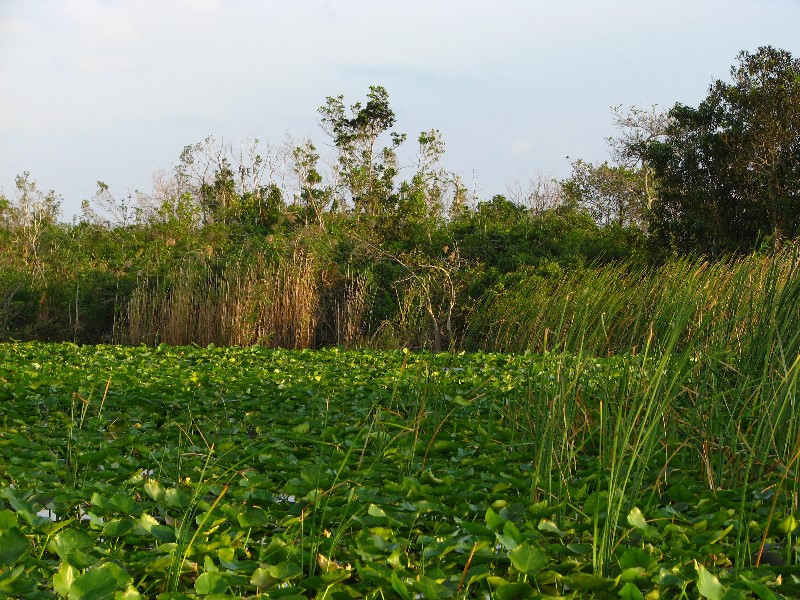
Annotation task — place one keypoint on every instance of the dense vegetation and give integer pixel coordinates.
(247, 472)
(228, 249)
(640, 439)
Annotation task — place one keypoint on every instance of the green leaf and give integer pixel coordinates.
(63, 579)
(117, 528)
(400, 587)
(761, 591)
(262, 578)
(630, 592)
(176, 498)
(8, 519)
(511, 531)
(17, 583)
(680, 493)
(162, 533)
(253, 517)
(13, 544)
(123, 503)
(284, 571)
(129, 593)
(70, 544)
(788, 524)
(23, 507)
(528, 559)
(302, 427)
(580, 549)
(94, 584)
(636, 519)
(118, 573)
(586, 582)
(547, 526)
(634, 557)
(430, 588)
(734, 594)
(154, 489)
(515, 591)
(211, 583)
(707, 584)
(493, 520)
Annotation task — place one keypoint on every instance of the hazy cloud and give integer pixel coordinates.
(521, 149)
(10, 26)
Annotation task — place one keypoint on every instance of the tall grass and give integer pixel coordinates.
(707, 384)
(262, 302)
(734, 306)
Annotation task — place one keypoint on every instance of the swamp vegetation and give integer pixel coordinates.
(233, 386)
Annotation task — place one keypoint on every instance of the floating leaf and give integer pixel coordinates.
(586, 582)
(117, 527)
(493, 520)
(64, 578)
(787, 525)
(8, 520)
(630, 592)
(515, 591)
(707, 584)
(302, 427)
(94, 584)
(762, 591)
(284, 571)
(400, 587)
(253, 517)
(211, 583)
(70, 544)
(636, 519)
(634, 557)
(547, 526)
(528, 558)
(154, 489)
(13, 544)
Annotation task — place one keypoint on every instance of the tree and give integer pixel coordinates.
(314, 198)
(728, 172)
(619, 193)
(367, 171)
(29, 216)
(613, 194)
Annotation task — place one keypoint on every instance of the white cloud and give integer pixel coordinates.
(10, 26)
(204, 5)
(99, 38)
(521, 149)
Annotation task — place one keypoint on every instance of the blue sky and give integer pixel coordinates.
(113, 90)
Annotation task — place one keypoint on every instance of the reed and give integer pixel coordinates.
(260, 302)
(622, 307)
(706, 384)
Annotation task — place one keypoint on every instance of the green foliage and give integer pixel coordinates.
(727, 171)
(613, 194)
(148, 471)
(367, 170)
(397, 261)
(506, 237)
(736, 306)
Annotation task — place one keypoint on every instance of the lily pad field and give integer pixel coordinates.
(205, 472)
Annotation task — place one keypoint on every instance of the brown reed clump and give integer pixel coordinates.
(262, 302)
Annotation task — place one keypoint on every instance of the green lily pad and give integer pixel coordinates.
(528, 559)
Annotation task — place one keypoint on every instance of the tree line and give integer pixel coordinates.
(281, 245)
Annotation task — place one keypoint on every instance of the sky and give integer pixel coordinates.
(112, 90)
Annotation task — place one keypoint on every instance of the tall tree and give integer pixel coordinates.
(613, 194)
(366, 169)
(728, 171)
